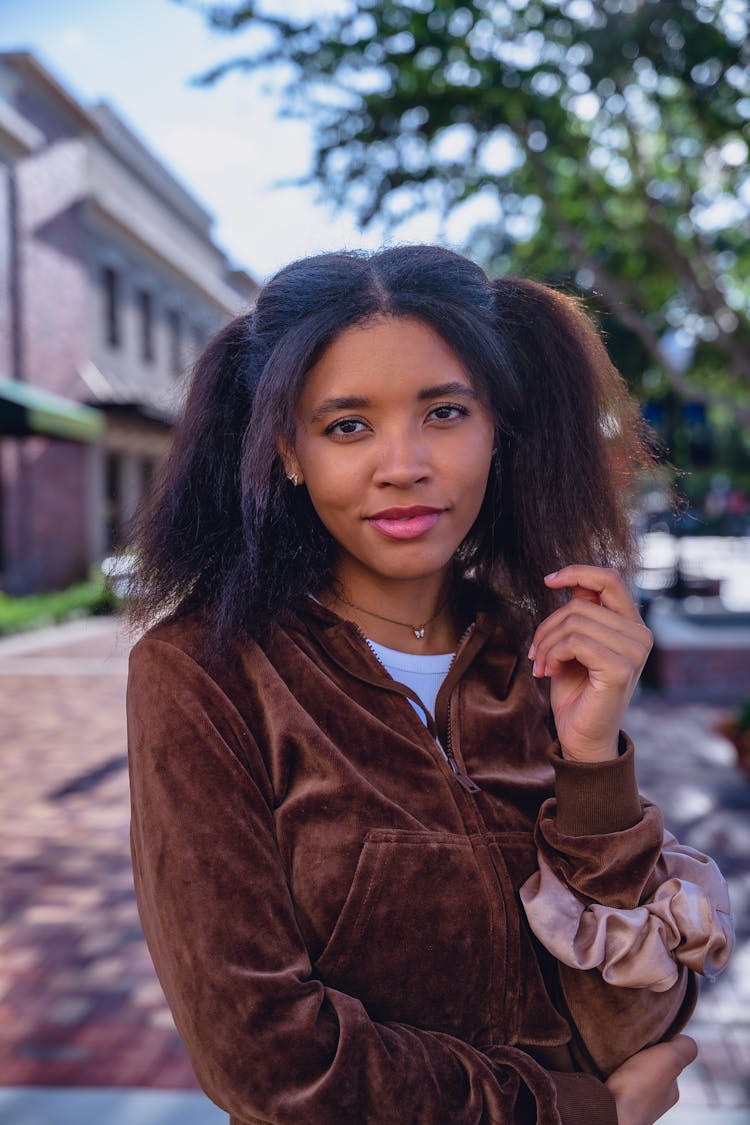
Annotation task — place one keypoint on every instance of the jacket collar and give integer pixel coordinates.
(347, 646)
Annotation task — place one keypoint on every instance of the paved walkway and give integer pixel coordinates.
(85, 1036)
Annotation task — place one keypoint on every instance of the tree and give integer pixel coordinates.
(610, 140)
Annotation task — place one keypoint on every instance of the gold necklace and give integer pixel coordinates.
(417, 630)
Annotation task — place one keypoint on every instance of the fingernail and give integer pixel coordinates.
(535, 670)
(532, 652)
(552, 575)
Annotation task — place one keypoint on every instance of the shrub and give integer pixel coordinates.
(34, 611)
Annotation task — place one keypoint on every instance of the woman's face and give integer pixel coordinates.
(394, 447)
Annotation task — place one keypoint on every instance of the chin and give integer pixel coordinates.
(413, 572)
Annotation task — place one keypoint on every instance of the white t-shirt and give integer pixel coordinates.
(423, 674)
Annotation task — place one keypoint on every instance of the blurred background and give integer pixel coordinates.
(159, 160)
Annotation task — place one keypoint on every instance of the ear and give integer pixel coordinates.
(289, 460)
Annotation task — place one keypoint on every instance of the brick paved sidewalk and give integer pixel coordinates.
(689, 771)
(79, 1003)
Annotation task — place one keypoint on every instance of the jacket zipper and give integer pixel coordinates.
(462, 778)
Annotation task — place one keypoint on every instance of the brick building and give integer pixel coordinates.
(109, 283)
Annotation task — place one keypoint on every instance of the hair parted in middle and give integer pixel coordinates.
(224, 530)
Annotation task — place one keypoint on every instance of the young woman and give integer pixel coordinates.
(389, 853)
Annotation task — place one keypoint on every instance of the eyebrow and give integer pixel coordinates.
(358, 402)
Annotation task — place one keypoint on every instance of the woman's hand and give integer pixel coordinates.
(593, 649)
(645, 1086)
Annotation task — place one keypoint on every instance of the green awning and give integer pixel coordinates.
(26, 410)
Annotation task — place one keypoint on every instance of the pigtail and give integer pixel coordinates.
(188, 530)
(576, 445)
(223, 532)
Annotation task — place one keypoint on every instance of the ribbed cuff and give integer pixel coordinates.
(597, 797)
(580, 1097)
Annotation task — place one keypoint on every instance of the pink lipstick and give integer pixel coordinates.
(405, 523)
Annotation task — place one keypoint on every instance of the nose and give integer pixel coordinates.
(402, 460)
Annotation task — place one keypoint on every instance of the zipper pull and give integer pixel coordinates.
(463, 779)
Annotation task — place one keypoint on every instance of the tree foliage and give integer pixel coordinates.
(608, 141)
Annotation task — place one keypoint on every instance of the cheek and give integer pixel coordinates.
(332, 490)
(475, 490)
(472, 465)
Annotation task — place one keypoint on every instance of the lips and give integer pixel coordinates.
(405, 523)
(404, 513)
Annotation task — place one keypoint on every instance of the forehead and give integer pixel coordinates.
(386, 349)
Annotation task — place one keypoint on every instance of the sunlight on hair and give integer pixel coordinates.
(611, 426)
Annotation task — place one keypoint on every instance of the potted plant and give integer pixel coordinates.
(737, 729)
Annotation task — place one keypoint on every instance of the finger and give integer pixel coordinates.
(605, 582)
(605, 667)
(686, 1049)
(597, 612)
(675, 1054)
(582, 612)
(577, 629)
(584, 595)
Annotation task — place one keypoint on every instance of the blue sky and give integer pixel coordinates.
(224, 143)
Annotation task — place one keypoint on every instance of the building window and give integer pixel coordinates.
(174, 321)
(111, 287)
(146, 311)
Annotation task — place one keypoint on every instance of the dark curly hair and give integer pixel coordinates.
(224, 532)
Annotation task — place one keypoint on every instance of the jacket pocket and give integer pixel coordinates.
(420, 938)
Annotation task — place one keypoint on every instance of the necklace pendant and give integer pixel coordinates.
(418, 632)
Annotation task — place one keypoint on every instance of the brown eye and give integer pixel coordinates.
(448, 411)
(345, 427)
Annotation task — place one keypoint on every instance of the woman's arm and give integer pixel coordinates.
(599, 843)
(593, 649)
(684, 921)
(601, 849)
(268, 1040)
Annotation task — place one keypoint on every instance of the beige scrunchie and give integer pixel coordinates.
(687, 921)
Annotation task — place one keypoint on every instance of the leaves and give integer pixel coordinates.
(612, 138)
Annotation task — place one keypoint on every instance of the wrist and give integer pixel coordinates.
(623, 1107)
(597, 797)
(607, 752)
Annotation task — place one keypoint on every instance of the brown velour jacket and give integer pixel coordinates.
(332, 905)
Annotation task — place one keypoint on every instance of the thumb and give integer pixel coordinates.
(685, 1048)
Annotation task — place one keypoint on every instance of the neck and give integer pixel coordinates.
(415, 617)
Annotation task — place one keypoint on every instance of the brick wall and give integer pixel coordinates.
(48, 521)
(720, 675)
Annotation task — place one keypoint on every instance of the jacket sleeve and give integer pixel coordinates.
(269, 1042)
(686, 921)
(606, 903)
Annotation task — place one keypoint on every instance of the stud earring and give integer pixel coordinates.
(293, 478)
